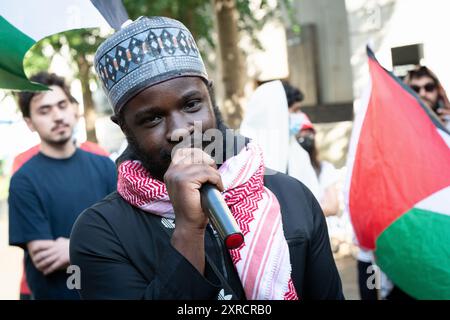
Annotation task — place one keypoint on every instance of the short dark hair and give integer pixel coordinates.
(293, 94)
(422, 71)
(48, 79)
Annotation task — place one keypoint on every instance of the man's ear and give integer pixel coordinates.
(210, 84)
(120, 122)
(29, 124)
(115, 118)
(76, 107)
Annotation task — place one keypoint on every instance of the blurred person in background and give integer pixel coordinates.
(428, 87)
(272, 119)
(326, 173)
(303, 131)
(330, 184)
(21, 159)
(50, 190)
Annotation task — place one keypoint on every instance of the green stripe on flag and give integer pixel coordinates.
(14, 44)
(414, 252)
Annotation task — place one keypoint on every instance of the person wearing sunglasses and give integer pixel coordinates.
(427, 86)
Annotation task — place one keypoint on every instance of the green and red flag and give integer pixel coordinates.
(24, 22)
(398, 186)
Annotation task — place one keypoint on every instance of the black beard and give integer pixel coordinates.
(57, 143)
(156, 166)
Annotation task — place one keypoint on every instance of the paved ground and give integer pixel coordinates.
(11, 265)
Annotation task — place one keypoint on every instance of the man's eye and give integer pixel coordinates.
(193, 105)
(151, 121)
(63, 104)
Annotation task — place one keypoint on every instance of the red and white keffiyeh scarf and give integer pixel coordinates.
(262, 261)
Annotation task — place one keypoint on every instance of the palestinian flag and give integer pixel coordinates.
(398, 186)
(24, 22)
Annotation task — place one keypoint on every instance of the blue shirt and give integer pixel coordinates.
(46, 195)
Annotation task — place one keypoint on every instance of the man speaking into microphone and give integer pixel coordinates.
(153, 238)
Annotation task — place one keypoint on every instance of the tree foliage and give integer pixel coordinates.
(197, 15)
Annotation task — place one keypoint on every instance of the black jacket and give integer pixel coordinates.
(125, 253)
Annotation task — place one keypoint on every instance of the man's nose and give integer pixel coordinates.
(57, 114)
(423, 92)
(178, 127)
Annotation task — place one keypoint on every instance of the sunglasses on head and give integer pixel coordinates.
(429, 87)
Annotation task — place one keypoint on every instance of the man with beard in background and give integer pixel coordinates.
(53, 187)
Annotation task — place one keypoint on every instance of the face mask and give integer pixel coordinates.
(307, 143)
(295, 123)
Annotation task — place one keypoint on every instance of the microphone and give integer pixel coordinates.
(221, 217)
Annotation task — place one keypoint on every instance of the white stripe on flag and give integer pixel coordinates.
(360, 114)
(438, 202)
(39, 19)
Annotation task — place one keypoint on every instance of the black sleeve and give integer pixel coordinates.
(107, 272)
(322, 279)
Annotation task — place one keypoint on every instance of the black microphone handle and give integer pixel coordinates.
(220, 216)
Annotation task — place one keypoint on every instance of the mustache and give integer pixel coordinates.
(59, 125)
